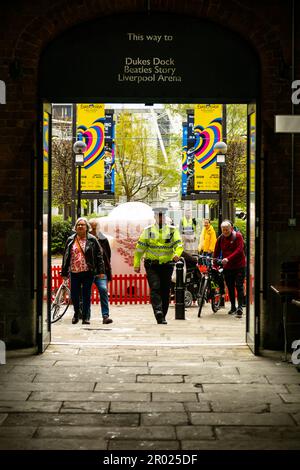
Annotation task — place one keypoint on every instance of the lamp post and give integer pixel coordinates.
(221, 148)
(79, 148)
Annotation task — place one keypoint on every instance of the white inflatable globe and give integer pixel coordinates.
(132, 211)
(123, 227)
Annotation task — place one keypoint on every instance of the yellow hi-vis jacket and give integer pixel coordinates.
(157, 244)
(207, 239)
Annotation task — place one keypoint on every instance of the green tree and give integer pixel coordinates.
(62, 175)
(140, 170)
(235, 178)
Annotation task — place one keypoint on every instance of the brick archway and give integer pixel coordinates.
(41, 30)
(27, 33)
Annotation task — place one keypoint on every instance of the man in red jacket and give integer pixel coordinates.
(230, 247)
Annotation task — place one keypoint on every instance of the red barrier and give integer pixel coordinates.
(123, 289)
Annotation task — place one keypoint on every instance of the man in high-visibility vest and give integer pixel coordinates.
(188, 227)
(161, 246)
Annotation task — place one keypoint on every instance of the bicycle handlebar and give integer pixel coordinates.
(210, 258)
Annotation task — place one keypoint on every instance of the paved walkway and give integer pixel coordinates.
(190, 385)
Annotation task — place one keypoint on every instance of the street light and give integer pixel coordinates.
(221, 148)
(79, 148)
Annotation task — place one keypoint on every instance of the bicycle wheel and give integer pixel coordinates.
(202, 295)
(60, 303)
(215, 299)
(188, 298)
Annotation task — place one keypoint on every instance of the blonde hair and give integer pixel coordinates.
(88, 227)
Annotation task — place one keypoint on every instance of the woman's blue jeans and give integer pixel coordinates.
(81, 284)
(101, 284)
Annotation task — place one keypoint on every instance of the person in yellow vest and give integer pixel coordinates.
(188, 227)
(161, 246)
(207, 239)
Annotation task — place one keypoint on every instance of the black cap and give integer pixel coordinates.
(160, 210)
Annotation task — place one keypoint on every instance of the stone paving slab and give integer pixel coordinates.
(95, 396)
(285, 408)
(242, 419)
(226, 379)
(11, 395)
(263, 369)
(196, 369)
(176, 396)
(58, 419)
(237, 444)
(159, 379)
(144, 407)
(240, 399)
(166, 419)
(53, 444)
(194, 432)
(284, 379)
(146, 387)
(29, 406)
(227, 407)
(47, 386)
(127, 370)
(115, 433)
(290, 397)
(293, 388)
(44, 361)
(267, 433)
(246, 388)
(84, 407)
(84, 377)
(10, 377)
(103, 363)
(29, 369)
(150, 445)
(17, 431)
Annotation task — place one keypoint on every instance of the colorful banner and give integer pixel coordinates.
(184, 160)
(90, 121)
(109, 156)
(45, 150)
(208, 131)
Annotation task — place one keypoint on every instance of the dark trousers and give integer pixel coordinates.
(82, 283)
(159, 280)
(234, 279)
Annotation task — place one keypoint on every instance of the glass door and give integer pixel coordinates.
(44, 231)
(252, 324)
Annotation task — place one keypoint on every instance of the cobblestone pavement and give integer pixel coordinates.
(190, 385)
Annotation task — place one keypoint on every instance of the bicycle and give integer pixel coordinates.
(61, 302)
(211, 286)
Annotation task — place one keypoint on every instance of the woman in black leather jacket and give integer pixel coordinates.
(83, 261)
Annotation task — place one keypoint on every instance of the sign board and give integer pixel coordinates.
(289, 124)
